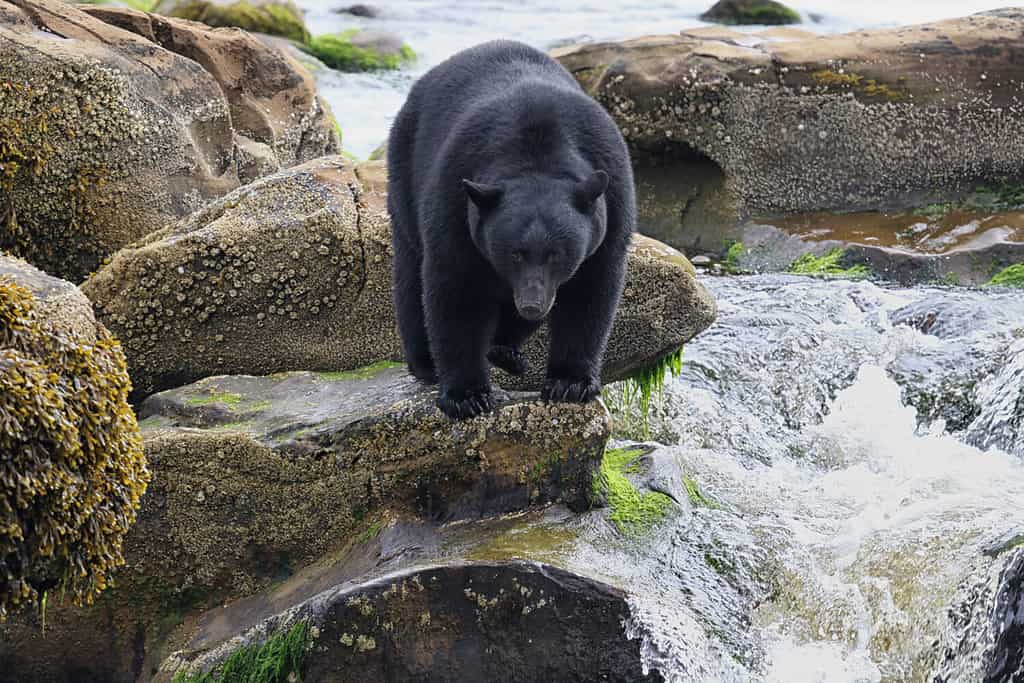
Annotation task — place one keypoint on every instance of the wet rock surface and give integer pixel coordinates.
(459, 621)
(116, 133)
(293, 272)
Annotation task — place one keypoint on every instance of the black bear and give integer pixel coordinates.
(511, 198)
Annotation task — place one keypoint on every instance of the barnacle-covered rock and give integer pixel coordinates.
(882, 118)
(114, 123)
(293, 272)
(259, 479)
(72, 469)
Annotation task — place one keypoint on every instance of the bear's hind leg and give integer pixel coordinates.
(408, 295)
(512, 331)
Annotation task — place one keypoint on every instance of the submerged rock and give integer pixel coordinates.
(293, 272)
(112, 133)
(894, 117)
(750, 12)
(256, 478)
(361, 50)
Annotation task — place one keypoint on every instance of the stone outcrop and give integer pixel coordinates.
(293, 272)
(256, 478)
(272, 17)
(866, 120)
(116, 123)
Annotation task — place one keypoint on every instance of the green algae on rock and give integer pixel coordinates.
(279, 659)
(272, 17)
(74, 471)
(356, 50)
(829, 264)
(741, 12)
(632, 512)
(1011, 276)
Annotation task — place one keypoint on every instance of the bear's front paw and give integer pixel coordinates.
(509, 359)
(459, 405)
(571, 389)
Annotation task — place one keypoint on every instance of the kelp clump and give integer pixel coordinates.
(72, 470)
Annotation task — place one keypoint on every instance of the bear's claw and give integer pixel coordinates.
(465, 404)
(570, 390)
(510, 359)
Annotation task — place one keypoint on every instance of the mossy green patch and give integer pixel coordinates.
(276, 19)
(861, 84)
(227, 398)
(696, 496)
(731, 263)
(365, 372)
(751, 12)
(278, 660)
(632, 398)
(140, 5)
(1011, 276)
(829, 264)
(339, 52)
(632, 512)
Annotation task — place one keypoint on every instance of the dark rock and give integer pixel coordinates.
(751, 12)
(367, 11)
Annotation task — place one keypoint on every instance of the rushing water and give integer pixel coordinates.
(845, 526)
(365, 104)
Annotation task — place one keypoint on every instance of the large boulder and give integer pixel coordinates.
(72, 471)
(865, 120)
(293, 272)
(117, 122)
(256, 478)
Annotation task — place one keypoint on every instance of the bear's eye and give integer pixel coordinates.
(517, 257)
(554, 255)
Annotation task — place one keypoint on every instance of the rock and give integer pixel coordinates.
(421, 624)
(113, 135)
(293, 272)
(257, 478)
(750, 12)
(861, 121)
(273, 17)
(73, 470)
(361, 50)
(367, 11)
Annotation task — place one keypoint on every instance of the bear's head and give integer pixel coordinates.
(536, 231)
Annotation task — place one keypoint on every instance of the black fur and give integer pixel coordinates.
(511, 198)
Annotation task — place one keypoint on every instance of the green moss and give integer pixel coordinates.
(365, 372)
(73, 470)
(827, 265)
(140, 5)
(278, 660)
(857, 82)
(630, 400)
(748, 12)
(1011, 276)
(696, 496)
(731, 264)
(276, 19)
(338, 52)
(632, 512)
(226, 398)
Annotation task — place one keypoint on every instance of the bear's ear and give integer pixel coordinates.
(484, 196)
(590, 189)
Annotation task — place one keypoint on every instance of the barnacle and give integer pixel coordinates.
(72, 470)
